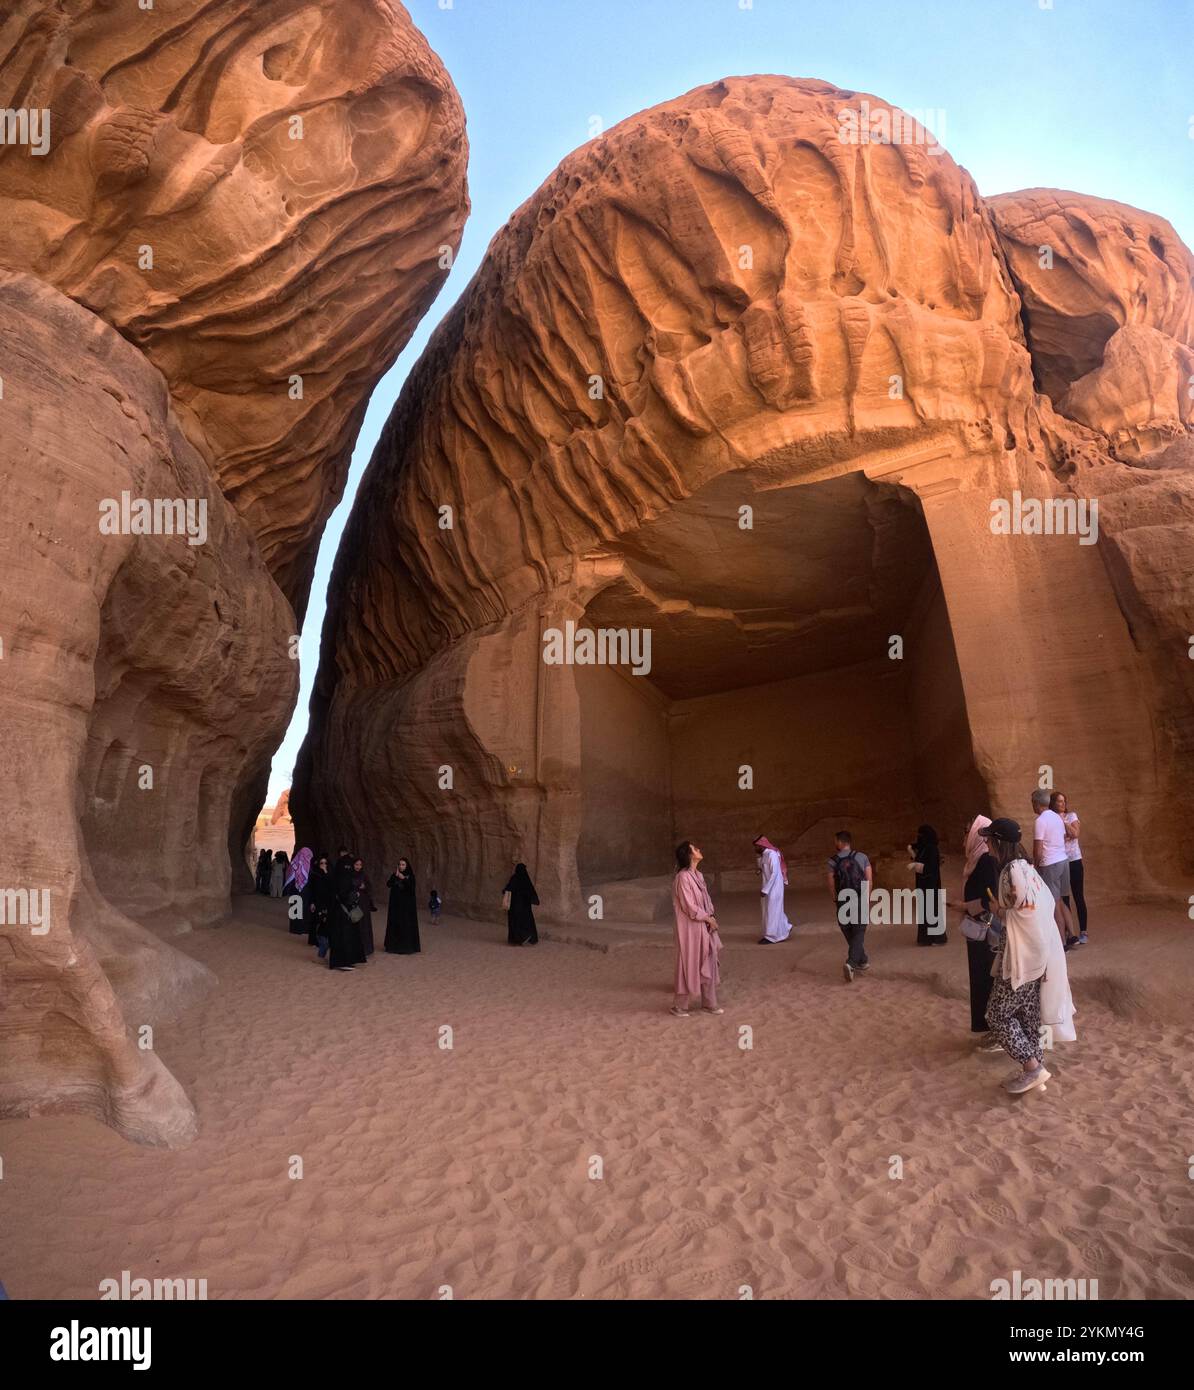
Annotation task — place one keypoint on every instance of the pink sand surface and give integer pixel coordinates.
(723, 1167)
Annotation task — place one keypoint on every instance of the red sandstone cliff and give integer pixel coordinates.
(721, 302)
(243, 211)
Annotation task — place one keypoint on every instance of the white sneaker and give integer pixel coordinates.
(1027, 1081)
(848, 973)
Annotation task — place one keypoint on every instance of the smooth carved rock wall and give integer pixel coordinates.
(171, 128)
(126, 656)
(718, 303)
(120, 652)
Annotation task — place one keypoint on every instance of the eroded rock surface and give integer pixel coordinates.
(721, 304)
(173, 263)
(129, 663)
(173, 136)
(1108, 296)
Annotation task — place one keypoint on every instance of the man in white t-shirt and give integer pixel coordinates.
(1049, 857)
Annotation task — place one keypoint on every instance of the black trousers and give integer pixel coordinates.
(855, 934)
(1076, 887)
(979, 957)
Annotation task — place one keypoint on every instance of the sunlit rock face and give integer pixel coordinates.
(1107, 303)
(296, 172)
(740, 380)
(130, 667)
(1108, 295)
(240, 214)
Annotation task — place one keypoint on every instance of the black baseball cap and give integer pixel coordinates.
(1002, 829)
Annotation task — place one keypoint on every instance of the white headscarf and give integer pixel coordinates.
(976, 846)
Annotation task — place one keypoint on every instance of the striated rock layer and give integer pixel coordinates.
(295, 170)
(174, 262)
(739, 381)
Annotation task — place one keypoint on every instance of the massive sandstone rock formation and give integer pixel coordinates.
(145, 681)
(734, 381)
(1111, 332)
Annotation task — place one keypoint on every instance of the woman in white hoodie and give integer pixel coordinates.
(1031, 984)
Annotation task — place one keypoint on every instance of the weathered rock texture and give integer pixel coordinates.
(719, 305)
(146, 681)
(173, 129)
(1111, 331)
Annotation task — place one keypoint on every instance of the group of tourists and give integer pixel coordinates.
(337, 907)
(271, 873)
(1017, 923)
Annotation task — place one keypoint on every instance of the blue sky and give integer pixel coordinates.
(1091, 95)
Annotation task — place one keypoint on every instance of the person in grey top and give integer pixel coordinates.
(849, 878)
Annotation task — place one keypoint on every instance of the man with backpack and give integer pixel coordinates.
(850, 877)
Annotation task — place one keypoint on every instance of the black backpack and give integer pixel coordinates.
(847, 873)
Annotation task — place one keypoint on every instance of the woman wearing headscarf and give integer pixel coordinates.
(402, 919)
(1031, 983)
(520, 920)
(773, 869)
(277, 874)
(263, 871)
(319, 900)
(345, 951)
(980, 926)
(926, 865)
(297, 876)
(698, 945)
(364, 891)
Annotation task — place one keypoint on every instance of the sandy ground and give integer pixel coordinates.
(273, 838)
(722, 1167)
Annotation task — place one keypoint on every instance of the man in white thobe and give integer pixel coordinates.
(774, 873)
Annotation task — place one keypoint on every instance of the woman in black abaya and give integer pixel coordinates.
(365, 902)
(318, 899)
(344, 934)
(520, 920)
(402, 920)
(926, 865)
(263, 872)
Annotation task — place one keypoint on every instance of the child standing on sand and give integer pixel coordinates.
(434, 903)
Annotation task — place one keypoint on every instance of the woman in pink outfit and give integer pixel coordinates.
(698, 945)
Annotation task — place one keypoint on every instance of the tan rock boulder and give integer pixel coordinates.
(1085, 268)
(744, 384)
